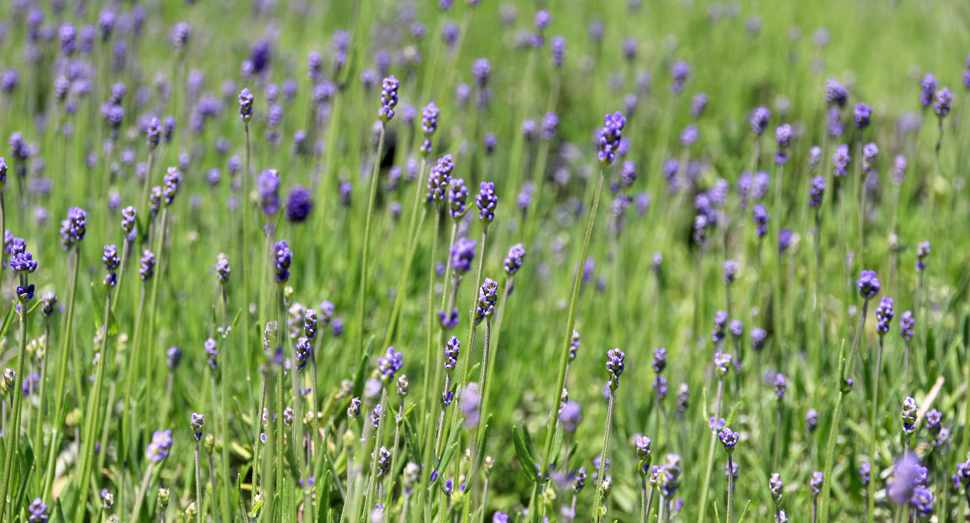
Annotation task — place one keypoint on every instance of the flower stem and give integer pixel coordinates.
(830, 446)
(198, 483)
(571, 320)
(730, 494)
(598, 514)
(12, 436)
(365, 250)
(872, 434)
(706, 483)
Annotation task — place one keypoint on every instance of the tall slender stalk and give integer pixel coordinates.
(833, 434)
(597, 512)
(198, 483)
(706, 483)
(872, 431)
(91, 419)
(12, 435)
(571, 319)
(365, 250)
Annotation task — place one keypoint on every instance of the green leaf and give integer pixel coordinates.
(99, 306)
(528, 443)
(483, 439)
(361, 369)
(745, 511)
(556, 447)
(734, 410)
(522, 451)
(446, 457)
(8, 320)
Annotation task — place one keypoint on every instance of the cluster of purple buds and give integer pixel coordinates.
(429, 124)
(927, 87)
(884, 315)
(783, 136)
(811, 420)
(246, 105)
(906, 323)
(550, 125)
(513, 262)
(268, 187)
(573, 344)
(816, 192)
(557, 46)
(868, 284)
(730, 271)
(128, 215)
(171, 183)
(729, 439)
(282, 257)
(461, 256)
(909, 415)
(628, 173)
(722, 363)
(173, 356)
(160, 446)
(899, 169)
(38, 511)
(487, 296)
(941, 105)
(922, 251)
(452, 350)
(111, 262)
(376, 415)
(147, 268)
(760, 217)
(353, 410)
(841, 160)
(486, 200)
(402, 385)
(736, 329)
(814, 158)
(440, 179)
(679, 74)
(863, 115)
(223, 269)
(614, 365)
(457, 196)
(698, 105)
(609, 138)
(47, 303)
(212, 352)
(759, 120)
(720, 324)
(301, 352)
(389, 364)
(869, 153)
(780, 385)
(383, 461)
(74, 227)
(388, 98)
(198, 420)
(776, 486)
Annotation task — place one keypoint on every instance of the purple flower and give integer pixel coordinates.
(486, 201)
(513, 262)
(780, 385)
(863, 115)
(462, 254)
(759, 120)
(760, 217)
(729, 439)
(811, 420)
(299, 204)
(389, 98)
(38, 511)
(941, 106)
(758, 336)
(679, 74)
(841, 160)
(906, 323)
(198, 420)
(282, 257)
(389, 364)
(609, 138)
(927, 87)
(816, 192)
(570, 415)
(835, 93)
(884, 315)
(160, 445)
(614, 365)
(868, 284)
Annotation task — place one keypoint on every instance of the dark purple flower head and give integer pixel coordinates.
(246, 105)
(697, 105)
(927, 87)
(759, 120)
(783, 135)
(486, 200)
(811, 420)
(491, 142)
(513, 262)
(440, 179)
(389, 98)
(884, 315)
(729, 439)
(785, 236)
(68, 36)
(609, 138)
(776, 487)
(816, 192)
(557, 46)
(461, 256)
(487, 296)
(780, 385)
(153, 133)
(941, 105)
(23, 261)
(147, 268)
(864, 471)
(868, 284)
(282, 257)
(457, 196)
(730, 270)
(550, 124)
(906, 324)
(452, 350)
(722, 363)
(630, 48)
(689, 135)
(354, 410)
(542, 20)
(905, 479)
(614, 365)
(390, 364)
(736, 328)
(223, 269)
(110, 259)
(933, 422)
(299, 204)
(268, 187)
(863, 115)
(160, 445)
(841, 160)
(481, 70)
(869, 153)
(758, 336)
(172, 181)
(38, 511)
(909, 415)
(197, 422)
(659, 359)
(679, 74)
(74, 227)
(835, 93)
(760, 217)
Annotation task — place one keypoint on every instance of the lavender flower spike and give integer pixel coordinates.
(486, 200)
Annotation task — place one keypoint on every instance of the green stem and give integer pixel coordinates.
(730, 496)
(706, 483)
(198, 483)
(571, 319)
(12, 436)
(830, 446)
(872, 431)
(597, 513)
(365, 250)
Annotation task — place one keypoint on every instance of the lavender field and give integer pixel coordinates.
(458, 261)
